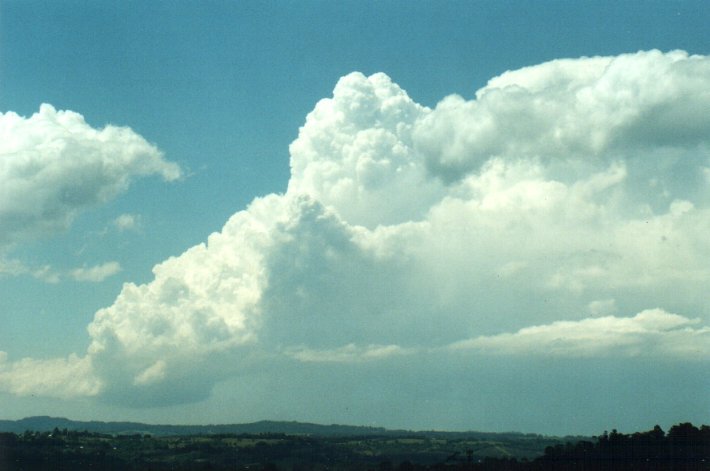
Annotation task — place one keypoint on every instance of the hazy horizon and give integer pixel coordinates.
(316, 424)
(411, 215)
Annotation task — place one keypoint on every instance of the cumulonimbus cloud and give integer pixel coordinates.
(405, 229)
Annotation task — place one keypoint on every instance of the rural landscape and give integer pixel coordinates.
(271, 446)
(354, 235)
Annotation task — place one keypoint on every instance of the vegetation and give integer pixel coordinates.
(684, 447)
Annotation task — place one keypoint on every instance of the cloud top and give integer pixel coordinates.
(592, 109)
(354, 153)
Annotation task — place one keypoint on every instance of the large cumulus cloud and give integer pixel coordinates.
(593, 109)
(53, 165)
(355, 154)
(565, 205)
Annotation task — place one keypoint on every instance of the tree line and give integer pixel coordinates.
(684, 447)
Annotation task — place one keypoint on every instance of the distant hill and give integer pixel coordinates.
(45, 423)
(259, 442)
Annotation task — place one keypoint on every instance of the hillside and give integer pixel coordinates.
(429, 446)
(45, 424)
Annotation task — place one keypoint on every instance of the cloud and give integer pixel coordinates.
(48, 274)
(53, 165)
(652, 331)
(96, 273)
(127, 222)
(591, 109)
(574, 186)
(355, 153)
(61, 378)
(14, 267)
(350, 353)
(601, 307)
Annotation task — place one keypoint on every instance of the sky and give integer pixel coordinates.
(423, 215)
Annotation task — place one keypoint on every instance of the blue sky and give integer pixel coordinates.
(388, 266)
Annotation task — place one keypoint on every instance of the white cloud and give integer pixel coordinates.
(350, 353)
(155, 372)
(96, 273)
(14, 267)
(589, 109)
(48, 274)
(602, 307)
(127, 222)
(652, 331)
(200, 304)
(62, 378)
(568, 187)
(53, 165)
(355, 153)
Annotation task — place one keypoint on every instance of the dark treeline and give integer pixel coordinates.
(683, 448)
